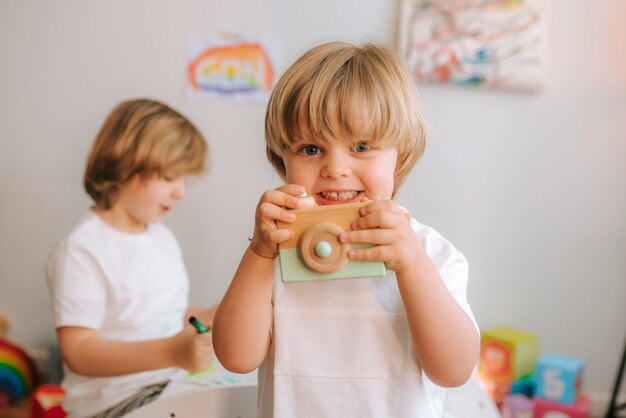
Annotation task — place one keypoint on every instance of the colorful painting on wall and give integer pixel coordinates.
(230, 67)
(486, 43)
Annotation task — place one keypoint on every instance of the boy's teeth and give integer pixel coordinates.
(339, 195)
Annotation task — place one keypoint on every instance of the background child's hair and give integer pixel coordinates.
(367, 89)
(142, 137)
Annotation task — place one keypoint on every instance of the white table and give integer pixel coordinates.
(467, 401)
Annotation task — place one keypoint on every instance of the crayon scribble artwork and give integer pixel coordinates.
(488, 43)
(215, 375)
(230, 68)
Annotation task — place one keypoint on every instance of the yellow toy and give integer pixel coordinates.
(507, 354)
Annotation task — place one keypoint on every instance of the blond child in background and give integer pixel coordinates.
(118, 282)
(343, 125)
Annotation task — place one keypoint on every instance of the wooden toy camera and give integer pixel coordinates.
(315, 252)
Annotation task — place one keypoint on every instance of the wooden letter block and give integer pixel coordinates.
(315, 252)
(559, 378)
(507, 354)
(549, 409)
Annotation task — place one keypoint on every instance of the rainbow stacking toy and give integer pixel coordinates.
(17, 373)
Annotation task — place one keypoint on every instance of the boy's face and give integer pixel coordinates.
(143, 201)
(343, 171)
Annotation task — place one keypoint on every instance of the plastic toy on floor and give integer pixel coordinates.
(559, 378)
(47, 402)
(559, 381)
(18, 375)
(506, 355)
(526, 385)
(547, 409)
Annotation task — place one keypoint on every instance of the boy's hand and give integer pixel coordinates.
(272, 207)
(386, 225)
(192, 351)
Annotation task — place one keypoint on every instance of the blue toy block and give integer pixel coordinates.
(524, 386)
(559, 378)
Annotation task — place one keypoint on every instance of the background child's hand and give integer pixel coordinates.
(193, 351)
(387, 225)
(272, 207)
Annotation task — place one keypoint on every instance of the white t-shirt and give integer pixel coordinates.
(128, 287)
(342, 348)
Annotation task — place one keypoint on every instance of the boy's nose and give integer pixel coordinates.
(335, 165)
(180, 190)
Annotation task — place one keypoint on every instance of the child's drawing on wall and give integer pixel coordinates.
(227, 67)
(492, 43)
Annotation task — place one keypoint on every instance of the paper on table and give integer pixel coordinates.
(214, 376)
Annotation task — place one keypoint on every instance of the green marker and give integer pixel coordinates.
(198, 325)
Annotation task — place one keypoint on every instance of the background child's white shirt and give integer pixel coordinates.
(128, 287)
(343, 347)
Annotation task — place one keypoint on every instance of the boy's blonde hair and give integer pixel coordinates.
(142, 137)
(366, 88)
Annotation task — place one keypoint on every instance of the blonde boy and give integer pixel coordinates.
(343, 125)
(118, 282)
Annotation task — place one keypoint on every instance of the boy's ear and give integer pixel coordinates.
(135, 180)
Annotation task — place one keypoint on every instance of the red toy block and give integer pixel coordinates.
(496, 389)
(548, 409)
(46, 402)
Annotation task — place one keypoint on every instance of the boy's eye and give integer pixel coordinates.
(361, 147)
(170, 177)
(309, 150)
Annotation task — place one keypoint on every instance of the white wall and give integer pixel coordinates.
(531, 187)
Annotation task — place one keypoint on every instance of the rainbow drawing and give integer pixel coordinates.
(227, 68)
(17, 373)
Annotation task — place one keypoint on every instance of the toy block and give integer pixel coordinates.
(507, 354)
(548, 409)
(46, 402)
(524, 386)
(559, 378)
(496, 390)
(315, 252)
(517, 406)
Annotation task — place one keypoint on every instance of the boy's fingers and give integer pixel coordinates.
(271, 212)
(370, 236)
(281, 235)
(306, 202)
(380, 205)
(379, 219)
(372, 254)
(295, 195)
(287, 196)
(274, 196)
(292, 189)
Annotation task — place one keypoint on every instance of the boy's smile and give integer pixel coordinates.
(331, 197)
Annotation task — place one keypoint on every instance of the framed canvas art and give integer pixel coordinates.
(486, 43)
